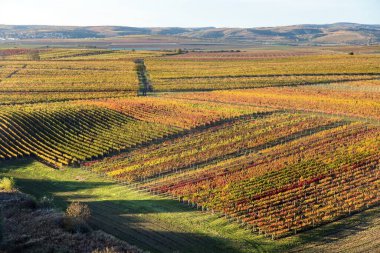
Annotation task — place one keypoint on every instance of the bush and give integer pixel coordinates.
(78, 210)
(7, 184)
(75, 218)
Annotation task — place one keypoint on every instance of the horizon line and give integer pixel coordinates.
(192, 27)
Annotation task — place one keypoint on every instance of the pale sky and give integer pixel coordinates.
(188, 13)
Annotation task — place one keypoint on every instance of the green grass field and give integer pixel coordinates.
(158, 224)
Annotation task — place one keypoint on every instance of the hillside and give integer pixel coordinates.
(241, 151)
(337, 33)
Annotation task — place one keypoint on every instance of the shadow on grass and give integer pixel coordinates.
(169, 241)
(341, 229)
(128, 221)
(14, 164)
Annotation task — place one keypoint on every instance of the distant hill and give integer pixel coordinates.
(337, 33)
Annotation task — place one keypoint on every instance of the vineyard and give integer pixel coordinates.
(75, 54)
(267, 171)
(68, 76)
(250, 55)
(273, 143)
(288, 188)
(358, 99)
(62, 134)
(182, 114)
(172, 74)
(24, 97)
(253, 132)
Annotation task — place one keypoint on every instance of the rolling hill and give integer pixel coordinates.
(309, 34)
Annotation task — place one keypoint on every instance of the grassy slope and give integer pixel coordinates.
(154, 223)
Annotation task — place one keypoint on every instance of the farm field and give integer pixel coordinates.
(255, 170)
(257, 151)
(75, 54)
(63, 134)
(68, 76)
(25, 97)
(256, 131)
(182, 114)
(355, 99)
(171, 74)
(68, 133)
(249, 55)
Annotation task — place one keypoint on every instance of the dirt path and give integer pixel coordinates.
(145, 85)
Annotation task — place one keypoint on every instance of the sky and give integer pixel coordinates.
(188, 13)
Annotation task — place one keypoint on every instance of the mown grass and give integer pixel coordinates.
(150, 222)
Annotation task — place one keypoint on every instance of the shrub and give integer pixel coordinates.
(78, 210)
(7, 184)
(75, 218)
